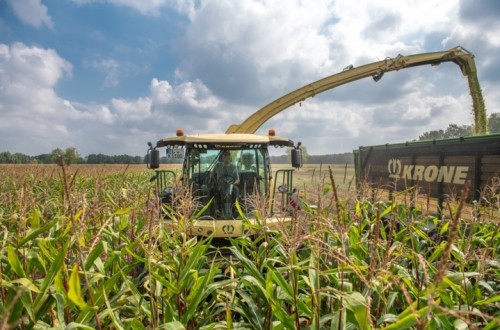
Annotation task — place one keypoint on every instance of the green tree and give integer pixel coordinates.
(452, 131)
(17, 158)
(6, 157)
(494, 123)
(44, 159)
(71, 156)
(431, 135)
(67, 157)
(57, 156)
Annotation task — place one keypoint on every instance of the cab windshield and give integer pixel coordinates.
(224, 176)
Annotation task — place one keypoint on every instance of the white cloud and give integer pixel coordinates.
(32, 67)
(135, 110)
(31, 108)
(31, 12)
(190, 96)
(161, 91)
(27, 79)
(251, 48)
(370, 31)
(196, 95)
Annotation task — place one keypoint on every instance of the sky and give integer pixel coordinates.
(107, 76)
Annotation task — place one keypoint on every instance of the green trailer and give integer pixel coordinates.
(437, 169)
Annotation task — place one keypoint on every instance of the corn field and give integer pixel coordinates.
(86, 250)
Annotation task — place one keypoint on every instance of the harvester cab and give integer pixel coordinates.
(227, 178)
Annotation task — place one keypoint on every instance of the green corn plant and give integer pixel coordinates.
(83, 251)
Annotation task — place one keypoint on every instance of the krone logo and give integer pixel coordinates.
(394, 168)
(228, 229)
(427, 173)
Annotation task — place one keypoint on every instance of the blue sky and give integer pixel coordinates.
(106, 76)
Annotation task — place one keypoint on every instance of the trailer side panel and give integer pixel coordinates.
(438, 169)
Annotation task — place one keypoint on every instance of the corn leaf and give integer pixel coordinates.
(75, 291)
(51, 274)
(408, 321)
(78, 326)
(25, 282)
(490, 300)
(356, 303)
(35, 233)
(174, 325)
(14, 262)
(198, 293)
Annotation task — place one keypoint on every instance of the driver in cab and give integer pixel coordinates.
(226, 178)
(225, 169)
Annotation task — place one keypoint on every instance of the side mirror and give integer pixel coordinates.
(153, 158)
(297, 156)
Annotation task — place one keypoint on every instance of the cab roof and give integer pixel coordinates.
(222, 140)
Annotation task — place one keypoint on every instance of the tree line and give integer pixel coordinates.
(71, 156)
(454, 130)
(68, 156)
(344, 158)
